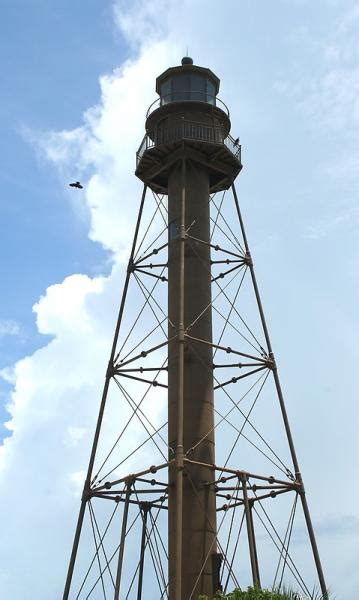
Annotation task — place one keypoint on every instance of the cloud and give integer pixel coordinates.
(147, 28)
(9, 327)
(328, 95)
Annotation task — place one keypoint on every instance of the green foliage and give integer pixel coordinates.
(256, 594)
(250, 594)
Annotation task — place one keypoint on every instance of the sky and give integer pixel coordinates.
(77, 80)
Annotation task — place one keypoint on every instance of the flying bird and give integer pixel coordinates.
(76, 184)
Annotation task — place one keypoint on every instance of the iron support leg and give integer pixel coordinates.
(142, 554)
(251, 536)
(74, 549)
(254, 541)
(122, 543)
(313, 542)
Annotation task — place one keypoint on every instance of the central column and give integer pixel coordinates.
(188, 202)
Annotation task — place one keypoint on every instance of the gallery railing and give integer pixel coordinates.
(188, 130)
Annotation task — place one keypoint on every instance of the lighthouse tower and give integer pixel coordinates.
(184, 513)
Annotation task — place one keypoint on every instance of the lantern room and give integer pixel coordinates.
(187, 82)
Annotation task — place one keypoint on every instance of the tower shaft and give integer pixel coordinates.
(184, 156)
(190, 383)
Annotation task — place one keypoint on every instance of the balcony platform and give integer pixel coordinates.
(201, 142)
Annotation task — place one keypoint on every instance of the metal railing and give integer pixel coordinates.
(188, 130)
(187, 96)
(233, 145)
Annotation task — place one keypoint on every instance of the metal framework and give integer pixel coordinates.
(121, 546)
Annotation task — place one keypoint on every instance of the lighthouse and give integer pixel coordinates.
(187, 524)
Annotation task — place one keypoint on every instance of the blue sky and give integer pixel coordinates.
(77, 79)
(52, 56)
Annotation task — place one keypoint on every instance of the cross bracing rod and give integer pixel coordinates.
(250, 486)
(224, 273)
(237, 473)
(154, 252)
(242, 501)
(266, 361)
(155, 275)
(96, 481)
(142, 354)
(287, 538)
(142, 340)
(147, 232)
(149, 265)
(118, 500)
(94, 558)
(211, 305)
(279, 544)
(140, 370)
(152, 481)
(120, 493)
(142, 418)
(225, 222)
(237, 365)
(239, 377)
(149, 299)
(217, 248)
(152, 486)
(152, 469)
(226, 262)
(153, 382)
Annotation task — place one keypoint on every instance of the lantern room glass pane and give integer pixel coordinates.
(166, 91)
(198, 88)
(211, 92)
(181, 87)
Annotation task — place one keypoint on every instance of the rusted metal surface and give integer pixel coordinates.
(122, 544)
(251, 536)
(190, 392)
